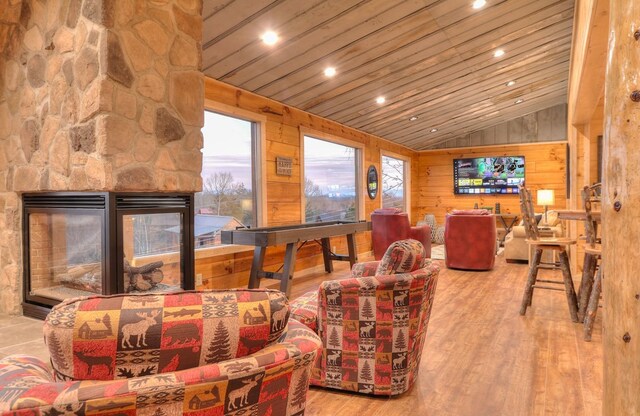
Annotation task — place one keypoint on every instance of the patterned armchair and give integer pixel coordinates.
(192, 353)
(373, 326)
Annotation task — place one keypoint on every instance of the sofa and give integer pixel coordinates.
(373, 326)
(516, 248)
(470, 239)
(392, 224)
(192, 353)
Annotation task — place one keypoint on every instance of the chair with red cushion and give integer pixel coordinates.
(391, 224)
(470, 239)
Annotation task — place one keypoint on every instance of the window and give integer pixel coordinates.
(330, 181)
(229, 192)
(393, 183)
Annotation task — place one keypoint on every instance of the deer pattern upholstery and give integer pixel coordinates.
(373, 327)
(306, 309)
(272, 381)
(110, 337)
(403, 256)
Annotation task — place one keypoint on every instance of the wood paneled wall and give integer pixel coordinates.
(545, 169)
(283, 193)
(431, 173)
(545, 125)
(585, 107)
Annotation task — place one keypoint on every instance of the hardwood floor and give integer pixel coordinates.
(481, 357)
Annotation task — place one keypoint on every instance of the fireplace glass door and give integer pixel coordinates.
(65, 254)
(153, 252)
(87, 243)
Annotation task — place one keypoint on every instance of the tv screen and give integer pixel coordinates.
(488, 175)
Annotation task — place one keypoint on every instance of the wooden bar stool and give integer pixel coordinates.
(556, 244)
(591, 285)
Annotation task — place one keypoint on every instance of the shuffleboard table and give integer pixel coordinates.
(291, 235)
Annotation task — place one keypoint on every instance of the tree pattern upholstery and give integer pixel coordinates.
(205, 353)
(373, 326)
(306, 309)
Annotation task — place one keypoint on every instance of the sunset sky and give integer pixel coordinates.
(227, 142)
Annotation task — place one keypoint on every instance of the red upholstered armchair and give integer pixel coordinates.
(391, 224)
(470, 240)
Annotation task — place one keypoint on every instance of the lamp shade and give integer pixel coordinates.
(546, 197)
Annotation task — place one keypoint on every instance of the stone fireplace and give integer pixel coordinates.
(81, 244)
(95, 96)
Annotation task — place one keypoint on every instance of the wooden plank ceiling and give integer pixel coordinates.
(431, 59)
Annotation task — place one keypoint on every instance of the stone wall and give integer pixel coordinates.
(95, 95)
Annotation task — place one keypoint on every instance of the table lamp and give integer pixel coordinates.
(546, 197)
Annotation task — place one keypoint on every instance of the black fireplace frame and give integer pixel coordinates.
(113, 206)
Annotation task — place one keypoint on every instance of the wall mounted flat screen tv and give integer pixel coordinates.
(488, 175)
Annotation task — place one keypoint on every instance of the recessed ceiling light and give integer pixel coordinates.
(519, 101)
(498, 53)
(479, 4)
(329, 72)
(511, 83)
(414, 118)
(380, 100)
(434, 130)
(269, 37)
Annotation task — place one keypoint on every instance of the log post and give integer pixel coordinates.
(620, 207)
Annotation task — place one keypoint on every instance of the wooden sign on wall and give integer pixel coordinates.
(283, 165)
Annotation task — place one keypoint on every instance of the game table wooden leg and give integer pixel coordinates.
(326, 254)
(353, 253)
(256, 266)
(289, 266)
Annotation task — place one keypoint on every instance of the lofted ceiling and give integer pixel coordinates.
(430, 59)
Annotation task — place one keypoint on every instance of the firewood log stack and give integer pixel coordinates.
(144, 277)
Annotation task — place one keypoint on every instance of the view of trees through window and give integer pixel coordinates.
(227, 199)
(154, 233)
(330, 181)
(393, 182)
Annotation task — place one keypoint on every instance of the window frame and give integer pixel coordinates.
(359, 162)
(407, 178)
(259, 179)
